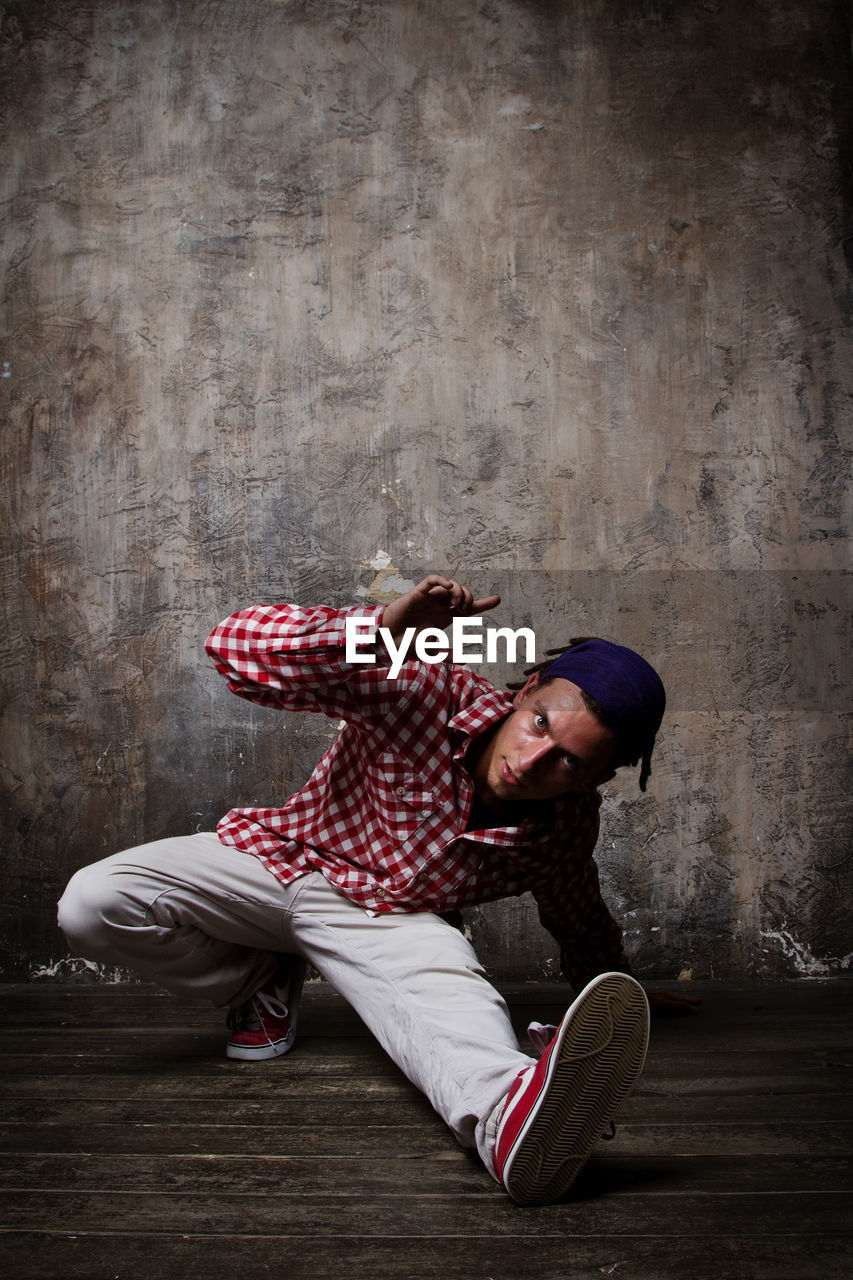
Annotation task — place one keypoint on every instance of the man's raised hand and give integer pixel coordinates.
(434, 602)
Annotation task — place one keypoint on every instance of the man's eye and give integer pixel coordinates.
(570, 762)
(539, 720)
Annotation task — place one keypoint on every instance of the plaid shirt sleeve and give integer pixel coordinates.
(292, 658)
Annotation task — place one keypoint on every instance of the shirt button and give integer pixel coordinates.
(380, 892)
(401, 791)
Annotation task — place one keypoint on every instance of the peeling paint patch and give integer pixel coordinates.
(379, 561)
(389, 583)
(800, 955)
(75, 968)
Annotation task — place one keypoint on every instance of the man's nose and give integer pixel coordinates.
(532, 756)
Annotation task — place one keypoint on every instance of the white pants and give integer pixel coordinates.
(208, 921)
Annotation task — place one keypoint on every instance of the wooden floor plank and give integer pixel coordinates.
(644, 1173)
(304, 1107)
(120, 1043)
(369, 1255)
(410, 1212)
(782, 1137)
(778, 1008)
(205, 1057)
(438, 1165)
(742, 1082)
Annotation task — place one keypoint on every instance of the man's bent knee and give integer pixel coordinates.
(88, 908)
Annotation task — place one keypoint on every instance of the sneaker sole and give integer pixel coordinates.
(594, 1066)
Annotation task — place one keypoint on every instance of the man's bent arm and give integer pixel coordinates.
(573, 910)
(291, 658)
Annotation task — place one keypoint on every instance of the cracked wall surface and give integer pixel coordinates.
(303, 299)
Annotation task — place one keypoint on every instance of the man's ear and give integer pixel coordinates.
(528, 687)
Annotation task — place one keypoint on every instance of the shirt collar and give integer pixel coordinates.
(483, 713)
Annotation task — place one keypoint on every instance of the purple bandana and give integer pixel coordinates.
(627, 689)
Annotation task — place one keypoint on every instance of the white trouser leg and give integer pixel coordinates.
(208, 921)
(417, 984)
(200, 918)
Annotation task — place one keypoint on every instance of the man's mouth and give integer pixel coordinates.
(509, 777)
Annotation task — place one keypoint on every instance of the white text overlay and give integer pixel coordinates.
(464, 644)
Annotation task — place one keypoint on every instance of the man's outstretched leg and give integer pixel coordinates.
(417, 984)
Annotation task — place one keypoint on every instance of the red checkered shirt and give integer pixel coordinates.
(385, 812)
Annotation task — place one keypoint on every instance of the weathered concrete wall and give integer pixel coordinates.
(552, 295)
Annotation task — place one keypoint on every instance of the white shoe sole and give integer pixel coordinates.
(257, 1053)
(597, 1057)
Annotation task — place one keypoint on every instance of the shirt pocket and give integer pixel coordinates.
(399, 799)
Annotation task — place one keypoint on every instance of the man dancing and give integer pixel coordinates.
(439, 792)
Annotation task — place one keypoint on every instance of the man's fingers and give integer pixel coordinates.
(487, 602)
(435, 585)
(458, 598)
(464, 604)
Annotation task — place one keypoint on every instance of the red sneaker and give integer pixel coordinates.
(558, 1108)
(265, 1025)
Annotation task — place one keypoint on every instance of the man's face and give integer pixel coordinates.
(550, 744)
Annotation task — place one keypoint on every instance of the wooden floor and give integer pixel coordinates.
(135, 1150)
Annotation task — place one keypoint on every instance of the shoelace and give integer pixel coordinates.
(541, 1034)
(250, 1015)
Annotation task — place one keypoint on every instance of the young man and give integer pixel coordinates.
(439, 792)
